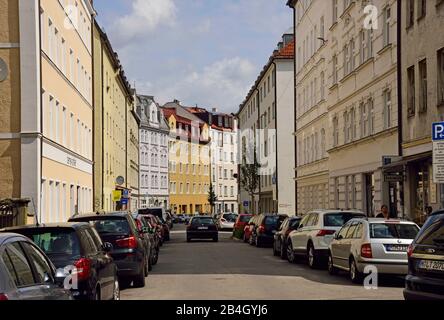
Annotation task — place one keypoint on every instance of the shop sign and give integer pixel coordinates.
(438, 152)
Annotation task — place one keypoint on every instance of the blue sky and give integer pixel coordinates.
(205, 52)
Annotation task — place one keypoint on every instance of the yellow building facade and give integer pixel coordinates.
(114, 130)
(48, 111)
(189, 167)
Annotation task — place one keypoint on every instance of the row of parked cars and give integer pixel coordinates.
(91, 257)
(348, 241)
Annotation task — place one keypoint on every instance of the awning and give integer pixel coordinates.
(399, 165)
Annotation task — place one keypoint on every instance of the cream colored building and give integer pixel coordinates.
(359, 61)
(116, 130)
(311, 104)
(51, 144)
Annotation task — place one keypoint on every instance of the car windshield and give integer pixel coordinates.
(339, 219)
(295, 223)
(202, 220)
(433, 232)
(55, 242)
(230, 217)
(244, 218)
(393, 231)
(111, 226)
(273, 221)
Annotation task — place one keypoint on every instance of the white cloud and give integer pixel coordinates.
(146, 16)
(222, 85)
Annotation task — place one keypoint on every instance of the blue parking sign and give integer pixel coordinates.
(438, 131)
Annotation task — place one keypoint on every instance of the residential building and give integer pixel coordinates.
(153, 153)
(360, 68)
(114, 131)
(132, 154)
(189, 160)
(422, 90)
(267, 124)
(223, 155)
(311, 106)
(47, 106)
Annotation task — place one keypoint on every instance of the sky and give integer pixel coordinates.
(200, 52)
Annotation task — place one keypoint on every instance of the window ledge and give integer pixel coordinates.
(364, 64)
(334, 86)
(347, 10)
(333, 25)
(385, 48)
(348, 76)
(420, 18)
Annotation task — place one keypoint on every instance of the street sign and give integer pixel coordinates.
(438, 152)
(125, 194)
(246, 204)
(124, 201)
(120, 180)
(117, 195)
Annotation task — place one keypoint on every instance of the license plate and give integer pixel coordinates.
(396, 248)
(202, 228)
(431, 265)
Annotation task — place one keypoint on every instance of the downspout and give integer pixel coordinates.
(276, 138)
(259, 122)
(295, 119)
(103, 127)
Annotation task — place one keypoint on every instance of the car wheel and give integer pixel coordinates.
(291, 256)
(275, 252)
(124, 283)
(146, 266)
(188, 239)
(116, 291)
(312, 257)
(97, 296)
(150, 264)
(332, 270)
(139, 281)
(283, 252)
(257, 242)
(251, 240)
(156, 257)
(167, 237)
(245, 238)
(355, 275)
(216, 239)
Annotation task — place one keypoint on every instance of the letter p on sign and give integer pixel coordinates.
(438, 131)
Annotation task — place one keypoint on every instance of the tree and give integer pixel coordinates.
(212, 198)
(249, 176)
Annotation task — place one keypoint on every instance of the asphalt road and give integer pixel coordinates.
(233, 270)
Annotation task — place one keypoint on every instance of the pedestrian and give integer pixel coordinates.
(384, 212)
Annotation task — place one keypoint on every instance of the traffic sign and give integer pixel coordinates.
(124, 201)
(438, 152)
(117, 195)
(246, 204)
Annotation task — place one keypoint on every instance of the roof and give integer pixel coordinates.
(99, 215)
(45, 225)
(4, 237)
(287, 52)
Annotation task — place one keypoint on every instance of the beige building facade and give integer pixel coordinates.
(51, 135)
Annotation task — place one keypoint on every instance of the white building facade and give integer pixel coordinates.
(154, 155)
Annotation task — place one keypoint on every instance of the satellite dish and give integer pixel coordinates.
(120, 180)
(3, 70)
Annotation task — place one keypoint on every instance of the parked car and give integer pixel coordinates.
(263, 228)
(281, 236)
(129, 253)
(78, 245)
(157, 225)
(425, 279)
(26, 273)
(239, 225)
(226, 221)
(248, 229)
(146, 231)
(170, 220)
(371, 242)
(312, 238)
(202, 227)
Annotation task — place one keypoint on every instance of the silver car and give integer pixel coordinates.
(226, 221)
(371, 242)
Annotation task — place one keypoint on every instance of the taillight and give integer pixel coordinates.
(366, 251)
(410, 250)
(130, 243)
(261, 228)
(139, 225)
(323, 233)
(83, 268)
(3, 297)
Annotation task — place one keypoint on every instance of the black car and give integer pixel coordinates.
(201, 227)
(425, 280)
(281, 236)
(77, 245)
(129, 252)
(26, 273)
(148, 233)
(161, 217)
(264, 228)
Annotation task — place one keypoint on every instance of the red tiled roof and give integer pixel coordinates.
(286, 52)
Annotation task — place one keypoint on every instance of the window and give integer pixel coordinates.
(322, 28)
(422, 8)
(386, 27)
(335, 11)
(362, 121)
(423, 86)
(371, 116)
(441, 77)
(387, 113)
(335, 131)
(17, 265)
(411, 91)
(369, 44)
(322, 86)
(410, 13)
(335, 69)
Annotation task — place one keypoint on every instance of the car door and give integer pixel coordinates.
(44, 274)
(105, 266)
(301, 235)
(339, 247)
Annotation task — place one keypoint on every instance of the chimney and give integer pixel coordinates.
(214, 110)
(176, 101)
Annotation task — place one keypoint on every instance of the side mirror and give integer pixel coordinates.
(107, 247)
(300, 226)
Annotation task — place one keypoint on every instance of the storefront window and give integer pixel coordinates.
(422, 192)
